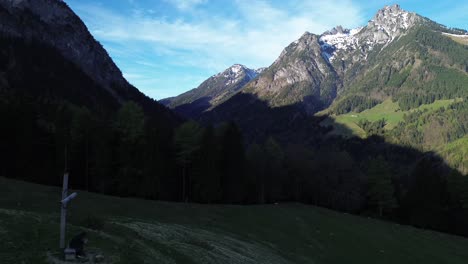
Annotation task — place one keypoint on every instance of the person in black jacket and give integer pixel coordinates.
(77, 243)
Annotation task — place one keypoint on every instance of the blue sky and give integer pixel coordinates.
(166, 47)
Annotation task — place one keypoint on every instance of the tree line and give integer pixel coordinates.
(50, 127)
(354, 103)
(133, 154)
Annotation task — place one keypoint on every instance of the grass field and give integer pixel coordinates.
(346, 124)
(462, 39)
(456, 154)
(141, 231)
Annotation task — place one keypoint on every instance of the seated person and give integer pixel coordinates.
(77, 243)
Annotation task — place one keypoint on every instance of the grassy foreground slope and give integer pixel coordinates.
(141, 231)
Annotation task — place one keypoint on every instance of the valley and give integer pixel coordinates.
(350, 147)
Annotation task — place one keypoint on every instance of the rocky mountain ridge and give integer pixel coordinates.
(53, 23)
(48, 52)
(316, 69)
(312, 69)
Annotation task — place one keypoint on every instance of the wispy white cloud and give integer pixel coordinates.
(186, 4)
(258, 36)
(255, 36)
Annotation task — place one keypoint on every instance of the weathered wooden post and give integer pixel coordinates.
(63, 211)
(64, 202)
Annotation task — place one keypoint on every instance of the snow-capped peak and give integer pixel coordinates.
(236, 68)
(388, 24)
(238, 72)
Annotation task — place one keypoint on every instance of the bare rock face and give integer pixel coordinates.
(54, 23)
(388, 24)
(313, 67)
(297, 73)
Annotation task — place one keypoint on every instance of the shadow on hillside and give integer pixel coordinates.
(194, 109)
(294, 124)
(421, 179)
(258, 120)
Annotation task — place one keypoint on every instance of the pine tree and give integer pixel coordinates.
(275, 169)
(257, 161)
(206, 181)
(232, 162)
(187, 142)
(129, 126)
(381, 191)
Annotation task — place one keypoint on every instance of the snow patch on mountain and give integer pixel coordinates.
(236, 68)
(237, 72)
(456, 35)
(234, 74)
(338, 39)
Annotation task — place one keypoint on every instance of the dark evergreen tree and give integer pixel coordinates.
(257, 167)
(206, 180)
(232, 164)
(275, 172)
(129, 127)
(187, 142)
(426, 200)
(380, 191)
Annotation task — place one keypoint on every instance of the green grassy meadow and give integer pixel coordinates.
(143, 231)
(459, 39)
(346, 124)
(456, 153)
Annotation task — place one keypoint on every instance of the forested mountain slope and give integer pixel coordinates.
(65, 105)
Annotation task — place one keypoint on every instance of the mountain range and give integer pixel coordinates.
(316, 70)
(371, 120)
(400, 61)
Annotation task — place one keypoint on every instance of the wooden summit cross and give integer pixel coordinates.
(64, 202)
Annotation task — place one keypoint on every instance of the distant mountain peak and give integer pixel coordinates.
(388, 24)
(212, 91)
(237, 67)
(236, 73)
(396, 8)
(392, 19)
(337, 30)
